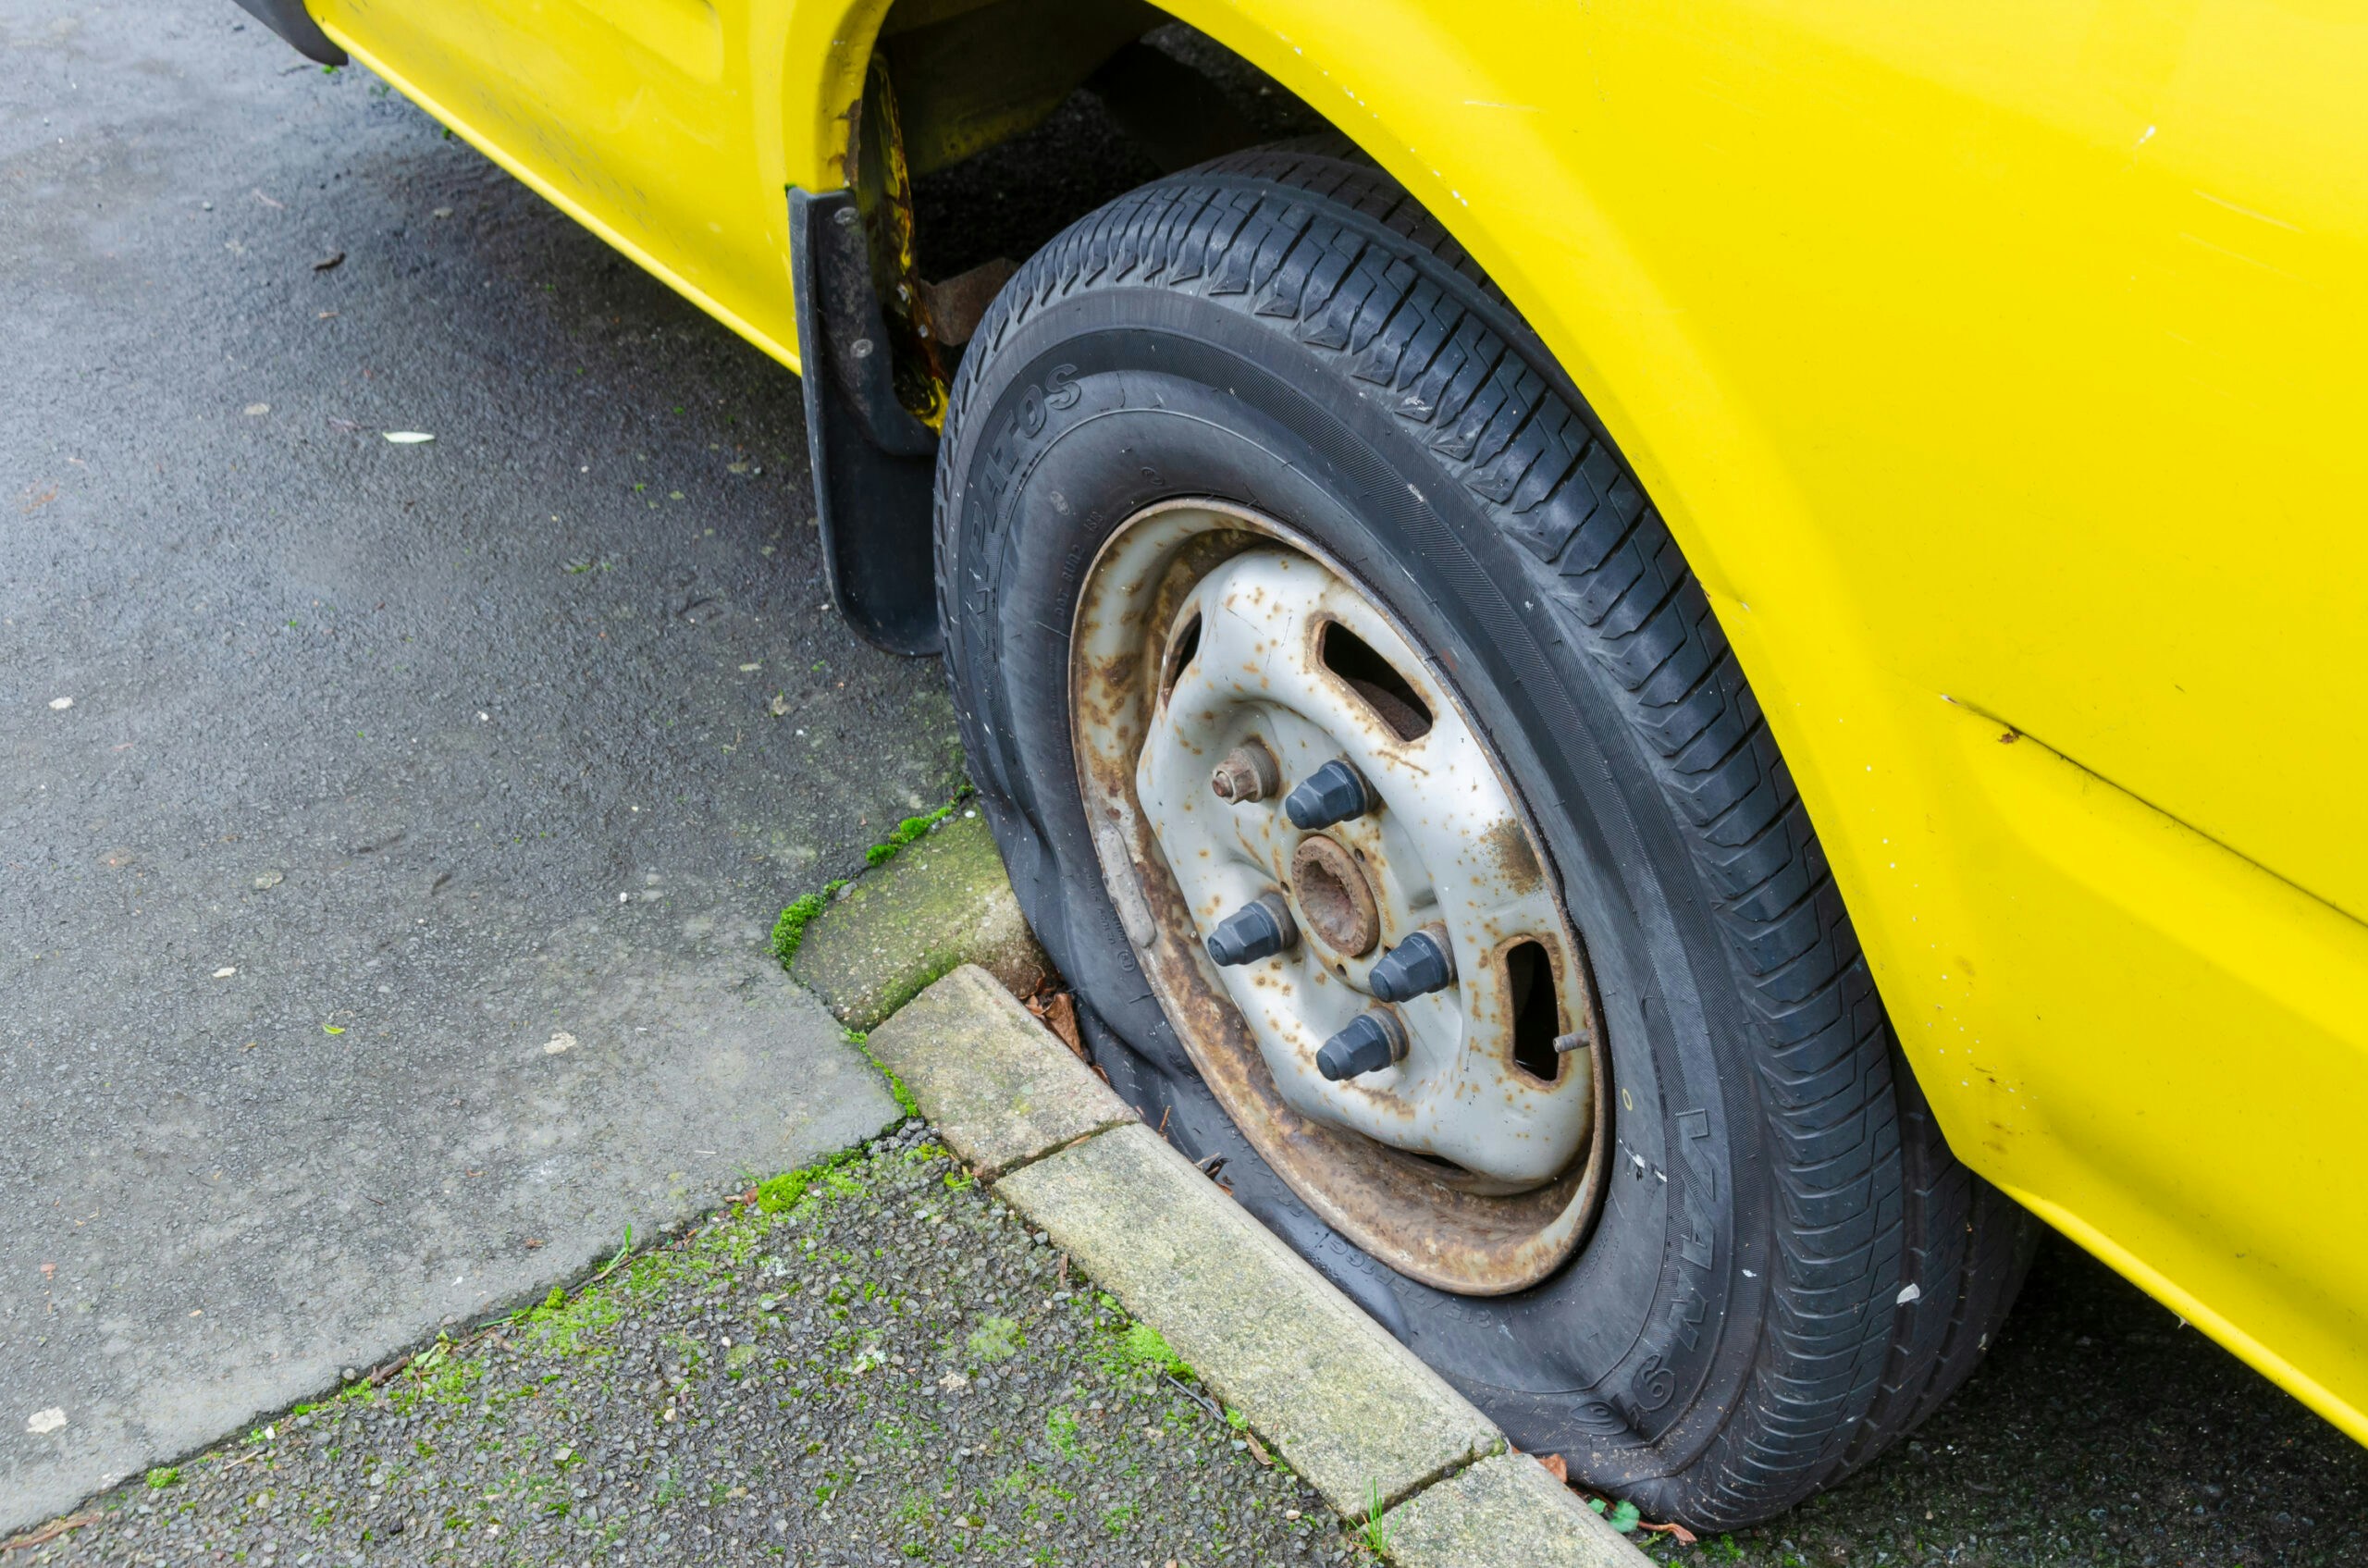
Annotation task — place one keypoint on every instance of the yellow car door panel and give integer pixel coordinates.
(638, 118)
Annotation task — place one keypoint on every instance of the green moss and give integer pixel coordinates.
(995, 1339)
(780, 1194)
(1061, 1431)
(789, 931)
(1139, 1348)
(439, 1374)
(907, 831)
(861, 1040)
(164, 1475)
(560, 1326)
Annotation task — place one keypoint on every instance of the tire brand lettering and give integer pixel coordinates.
(1699, 1246)
(1685, 1316)
(1028, 421)
(1654, 1383)
(1652, 1386)
(1061, 390)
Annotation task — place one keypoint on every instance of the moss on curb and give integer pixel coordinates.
(867, 947)
(789, 931)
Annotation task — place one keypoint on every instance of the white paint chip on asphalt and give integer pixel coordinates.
(408, 437)
(226, 971)
(560, 1041)
(254, 409)
(61, 704)
(42, 1422)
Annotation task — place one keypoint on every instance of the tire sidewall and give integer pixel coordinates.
(1072, 414)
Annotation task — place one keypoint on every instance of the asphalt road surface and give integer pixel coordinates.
(389, 770)
(452, 754)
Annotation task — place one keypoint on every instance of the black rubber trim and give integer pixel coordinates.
(291, 21)
(874, 463)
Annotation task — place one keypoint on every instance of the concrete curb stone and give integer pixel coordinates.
(1358, 1416)
(1505, 1512)
(1351, 1408)
(943, 902)
(976, 1066)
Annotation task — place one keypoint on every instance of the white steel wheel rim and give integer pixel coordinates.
(1474, 1161)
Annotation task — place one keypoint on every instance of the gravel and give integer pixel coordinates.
(892, 1368)
(888, 1367)
(2099, 1431)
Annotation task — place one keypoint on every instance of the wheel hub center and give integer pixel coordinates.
(1334, 899)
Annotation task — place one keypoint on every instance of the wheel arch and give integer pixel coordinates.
(1452, 121)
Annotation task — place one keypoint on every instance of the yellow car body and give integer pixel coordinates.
(1999, 367)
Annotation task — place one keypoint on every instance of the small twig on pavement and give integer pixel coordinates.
(1195, 1396)
(622, 1252)
(48, 1532)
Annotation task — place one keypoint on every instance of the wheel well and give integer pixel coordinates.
(983, 127)
(988, 126)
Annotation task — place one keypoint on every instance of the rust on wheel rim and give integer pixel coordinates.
(1218, 663)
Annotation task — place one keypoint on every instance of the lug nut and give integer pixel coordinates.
(1372, 1041)
(1247, 773)
(1417, 967)
(1258, 929)
(1334, 793)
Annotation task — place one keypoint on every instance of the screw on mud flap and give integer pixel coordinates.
(1247, 773)
(1334, 793)
(1421, 964)
(1258, 929)
(1372, 1041)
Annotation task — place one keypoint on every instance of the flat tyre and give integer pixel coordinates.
(1644, 1174)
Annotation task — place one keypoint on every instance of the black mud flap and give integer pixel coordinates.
(874, 463)
(291, 21)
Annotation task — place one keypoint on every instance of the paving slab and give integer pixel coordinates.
(999, 1086)
(386, 766)
(943, 902)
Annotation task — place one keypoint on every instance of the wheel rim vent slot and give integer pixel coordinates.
(1536, 1010)
(1390, 694)
(1181, 649)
